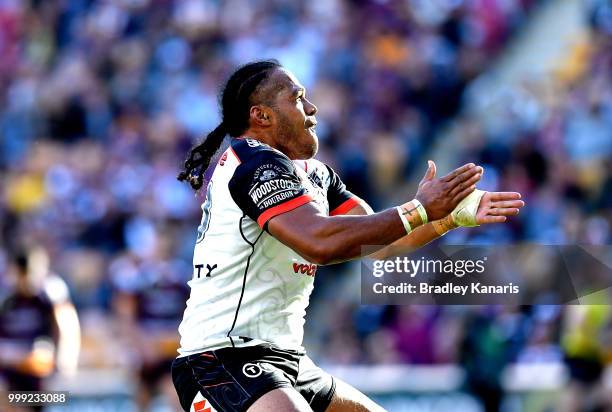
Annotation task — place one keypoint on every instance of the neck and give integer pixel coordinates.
(263, 136)
(267, 137)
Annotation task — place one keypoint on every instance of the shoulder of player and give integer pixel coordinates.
(247, 149)
(257, 158)
(323, 167)
(55, 289)
(316, 170)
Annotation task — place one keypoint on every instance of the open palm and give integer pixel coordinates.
(494, 207)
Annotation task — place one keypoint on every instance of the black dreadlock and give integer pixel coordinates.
(236, 102)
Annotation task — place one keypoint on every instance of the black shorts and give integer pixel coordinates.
(232, 379)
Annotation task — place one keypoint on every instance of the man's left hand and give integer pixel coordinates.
(494, 207)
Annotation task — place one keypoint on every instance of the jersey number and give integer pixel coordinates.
(205, 223)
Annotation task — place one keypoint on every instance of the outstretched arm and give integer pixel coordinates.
(328, 239)
(494, 207)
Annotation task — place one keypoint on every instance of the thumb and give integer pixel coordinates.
(430, 174)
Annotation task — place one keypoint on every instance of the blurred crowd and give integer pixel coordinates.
(550, 139)
(101, 100)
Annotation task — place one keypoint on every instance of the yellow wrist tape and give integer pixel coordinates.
(444, 225)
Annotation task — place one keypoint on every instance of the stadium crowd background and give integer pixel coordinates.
(100, 101)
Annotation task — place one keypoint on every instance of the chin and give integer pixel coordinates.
(314, 143)
(312, 148)
(307, 147)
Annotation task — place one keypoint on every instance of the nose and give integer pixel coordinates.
(309, 108)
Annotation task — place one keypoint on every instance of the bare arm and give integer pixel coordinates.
(494, 207)
(419, 237)
(69, 337)
(328, 239)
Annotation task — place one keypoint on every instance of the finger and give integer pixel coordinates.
(430, 174)
(511, 211)
(470, 182)
(496, 196)
(457, 172)
(508, 203)
(461, 195)
(491, 219)
(465, 176)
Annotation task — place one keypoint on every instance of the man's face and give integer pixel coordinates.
(294, 121)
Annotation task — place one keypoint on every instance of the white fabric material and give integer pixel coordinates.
(272, 304)
(201, 404)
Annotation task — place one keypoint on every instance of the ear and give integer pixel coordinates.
(261, 115)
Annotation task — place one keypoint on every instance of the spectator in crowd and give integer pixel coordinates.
(149, 302)
(587, 342)
(39, 327)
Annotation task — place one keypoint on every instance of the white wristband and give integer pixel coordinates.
(407, 226)
(421, 209)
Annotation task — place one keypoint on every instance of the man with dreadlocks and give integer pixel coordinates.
(272, 214)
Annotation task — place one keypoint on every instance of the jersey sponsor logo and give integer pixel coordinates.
(266, 172)
(305, 269)
(252, 142)
(209, 269)
(271, 186)
(201, 404)
(266, 367)
(267, 190)
(251, 370)
(267, 175)
(277, 199)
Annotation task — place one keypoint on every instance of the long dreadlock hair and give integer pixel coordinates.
(236, 102)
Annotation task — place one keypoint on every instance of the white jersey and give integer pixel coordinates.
(247, 287)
